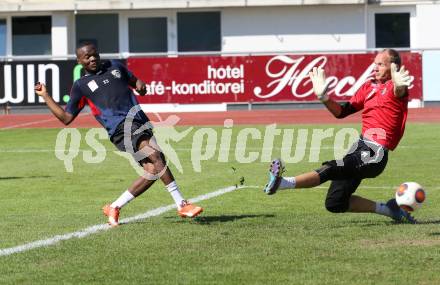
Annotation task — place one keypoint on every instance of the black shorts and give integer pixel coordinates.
(366, 159)
(134, 139)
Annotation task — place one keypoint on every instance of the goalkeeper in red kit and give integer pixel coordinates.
(384, 104)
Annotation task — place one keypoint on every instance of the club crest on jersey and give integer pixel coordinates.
(384, 91)
(116, 73)
(92, 85)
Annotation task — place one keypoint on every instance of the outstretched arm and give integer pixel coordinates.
(401, 80)
(334, 108)
(138, 85)
(63, 116)
(133, 81)
(320, 86)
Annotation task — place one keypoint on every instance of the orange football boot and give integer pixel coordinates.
(188, 210)
(112, 214)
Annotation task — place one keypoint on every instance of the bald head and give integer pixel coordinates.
(394, 56)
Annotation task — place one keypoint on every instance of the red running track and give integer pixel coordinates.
(256, 117)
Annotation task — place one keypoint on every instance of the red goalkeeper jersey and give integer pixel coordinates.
(383, 114)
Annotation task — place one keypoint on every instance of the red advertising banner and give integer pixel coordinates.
(277, 78)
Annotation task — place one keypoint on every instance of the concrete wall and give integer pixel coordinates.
(271, 28)
(431, 76)
(255, 26)
(427, 24)
(302, 28)
(97, 5)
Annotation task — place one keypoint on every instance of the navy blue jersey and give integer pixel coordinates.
(108, 94)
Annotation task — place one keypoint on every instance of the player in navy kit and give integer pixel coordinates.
(106, 89)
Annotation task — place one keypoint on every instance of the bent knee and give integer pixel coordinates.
(336, 206)
(157, 158)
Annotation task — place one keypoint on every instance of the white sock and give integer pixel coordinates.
(175, 193)
(382, 209)
(287, 183)
(122, 200)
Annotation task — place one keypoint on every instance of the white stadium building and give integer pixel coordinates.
(165, 38)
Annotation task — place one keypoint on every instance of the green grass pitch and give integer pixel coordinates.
(242, 237)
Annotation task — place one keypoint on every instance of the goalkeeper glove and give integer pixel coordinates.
(317, 75)
(400, 77)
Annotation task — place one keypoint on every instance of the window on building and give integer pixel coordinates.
(31, 35)
(392, 30)
(2, 37)
(100, 29)
(148, 34)
(199, 31)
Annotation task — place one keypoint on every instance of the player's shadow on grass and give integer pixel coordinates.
(360, 223)
(206, 220)
(428, 222)
(22, 177)
(369, 223)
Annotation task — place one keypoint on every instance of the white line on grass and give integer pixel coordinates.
(103, 227)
